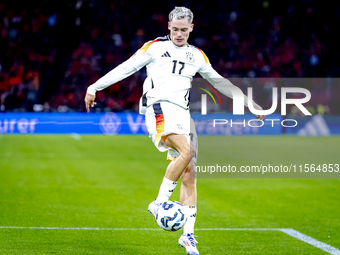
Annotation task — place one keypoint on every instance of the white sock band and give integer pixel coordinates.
(165, 191)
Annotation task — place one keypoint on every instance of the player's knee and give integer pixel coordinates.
(191, 153)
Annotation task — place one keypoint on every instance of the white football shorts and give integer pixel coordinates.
(164, 118)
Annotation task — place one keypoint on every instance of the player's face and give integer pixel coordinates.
(179, 31)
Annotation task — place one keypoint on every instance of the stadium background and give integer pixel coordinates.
(51, 50)
(82, 194)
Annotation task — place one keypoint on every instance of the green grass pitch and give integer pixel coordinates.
(108, 182)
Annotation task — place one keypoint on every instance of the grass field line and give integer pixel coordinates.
(289, 231)
(310, 240)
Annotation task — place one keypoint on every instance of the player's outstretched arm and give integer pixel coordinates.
(225, 86)
(130, 66)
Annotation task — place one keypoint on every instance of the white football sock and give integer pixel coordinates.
(165, 191)
(190, 224)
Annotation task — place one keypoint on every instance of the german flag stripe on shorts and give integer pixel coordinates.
(159, 121)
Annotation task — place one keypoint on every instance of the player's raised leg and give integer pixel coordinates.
(181, 143)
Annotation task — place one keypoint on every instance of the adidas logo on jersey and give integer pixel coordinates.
(166, 54)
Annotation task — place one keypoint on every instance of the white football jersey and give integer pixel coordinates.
(170, 70)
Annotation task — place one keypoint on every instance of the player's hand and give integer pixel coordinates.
(259, 117)
(89, 101)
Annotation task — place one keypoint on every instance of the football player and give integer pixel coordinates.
(171, 63)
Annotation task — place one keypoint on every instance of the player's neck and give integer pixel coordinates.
(180, 47)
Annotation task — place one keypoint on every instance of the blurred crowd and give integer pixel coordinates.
(51, 51)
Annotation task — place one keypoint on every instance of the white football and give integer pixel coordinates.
(171, 216)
